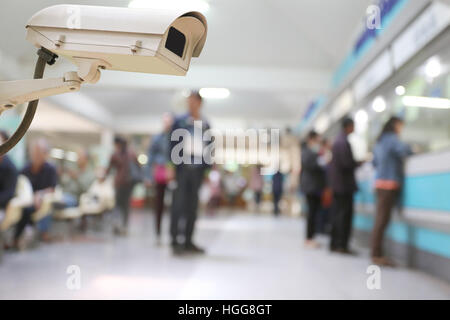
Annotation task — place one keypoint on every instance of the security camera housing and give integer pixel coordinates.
(125, 39)
(95, 38)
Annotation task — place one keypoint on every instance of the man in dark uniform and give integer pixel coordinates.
(343, 184)
(190, 165)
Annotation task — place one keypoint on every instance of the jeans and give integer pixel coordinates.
(69, 200)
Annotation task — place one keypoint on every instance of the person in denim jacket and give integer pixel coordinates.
(157, 171)
(389, 157)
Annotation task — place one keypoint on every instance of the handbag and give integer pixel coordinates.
(160, 174)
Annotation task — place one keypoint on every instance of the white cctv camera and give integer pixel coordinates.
(95, 38)
(126, 39)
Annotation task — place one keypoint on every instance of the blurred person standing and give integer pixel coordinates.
(389, 156)
(188, 174)
(158, 171)
(312, 182)
(323, 221)
(126, 167)
(343, 185)
(277, 191)
(256, 185)
(43, 178)
(233, 183)
(8, 178)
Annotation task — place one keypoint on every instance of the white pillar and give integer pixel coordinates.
(106, 147)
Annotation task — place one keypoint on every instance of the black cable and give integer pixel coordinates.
(45, 57)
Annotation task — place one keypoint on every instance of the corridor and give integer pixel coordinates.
(249, 256)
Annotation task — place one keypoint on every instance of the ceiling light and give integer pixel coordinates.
(143, 159)
(400, 90)
(195, 5)
(361, 116)
(379, 104)
(71, 156)
(426, 102)
(322, 124)
(433, 68)
(57, 153)
(214, 93)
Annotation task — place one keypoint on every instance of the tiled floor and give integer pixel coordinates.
(249, 257)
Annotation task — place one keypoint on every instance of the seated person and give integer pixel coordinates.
(234, 184)
(43, 178)
(77, 181)
(100, 195)
(8, 178)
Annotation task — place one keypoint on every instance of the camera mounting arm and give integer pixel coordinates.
(13, 93)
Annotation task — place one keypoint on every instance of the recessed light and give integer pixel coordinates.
(433, 68)
(400, 90)
(379, 104)
(361, 116)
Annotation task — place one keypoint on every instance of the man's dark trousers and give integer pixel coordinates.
(342, 216)
(185, 202)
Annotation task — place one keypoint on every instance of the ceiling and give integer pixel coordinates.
(274, 56)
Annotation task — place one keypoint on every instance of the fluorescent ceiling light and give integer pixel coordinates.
(71, 156)
(214, 93)
(195, 5)
(426, 102)
(57, 153)
(379, 104)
